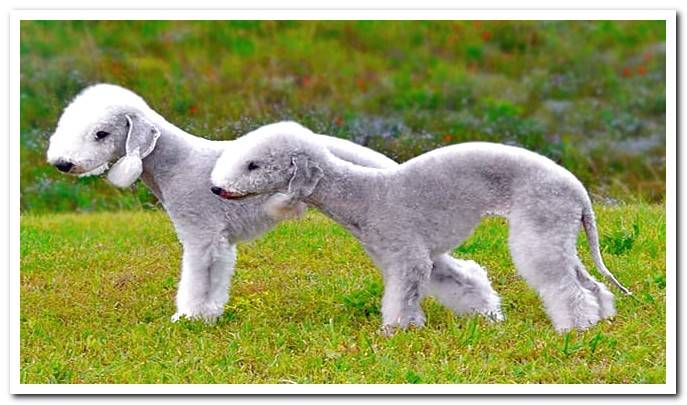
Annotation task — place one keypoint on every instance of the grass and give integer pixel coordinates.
(588, 94)
(97, 293)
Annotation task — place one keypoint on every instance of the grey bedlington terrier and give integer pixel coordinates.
(409, 215)
(106, 123)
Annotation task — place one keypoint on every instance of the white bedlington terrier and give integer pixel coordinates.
(106, 123)
(409, 215)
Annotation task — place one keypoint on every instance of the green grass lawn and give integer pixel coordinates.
(97, 292)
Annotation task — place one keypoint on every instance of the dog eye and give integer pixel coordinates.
(252, 166)
(101, 134)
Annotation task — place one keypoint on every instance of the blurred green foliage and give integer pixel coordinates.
(588, 94)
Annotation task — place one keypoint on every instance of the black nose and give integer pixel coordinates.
(64, 166)
(216, 190)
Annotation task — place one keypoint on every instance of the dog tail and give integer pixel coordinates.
(589, 224)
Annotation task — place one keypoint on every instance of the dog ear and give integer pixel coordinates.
(303, 181)
(305, 177)
(142, 135)
(140, 142)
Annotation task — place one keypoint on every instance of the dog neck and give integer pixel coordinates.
(346, 192)
(171, 149)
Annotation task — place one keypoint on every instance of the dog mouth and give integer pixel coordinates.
(229, 195)
(95, 172)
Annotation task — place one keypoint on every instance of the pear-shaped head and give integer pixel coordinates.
(275, 158)
(103, 124)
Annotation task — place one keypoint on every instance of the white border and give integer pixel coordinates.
(671, 203)
(669, 16)
(344, 389)
(14, 203)
(344, 14)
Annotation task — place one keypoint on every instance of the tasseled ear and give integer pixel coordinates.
(303, 181)
(282, 206)
(126, 171)
(140, 142)
(306, 175)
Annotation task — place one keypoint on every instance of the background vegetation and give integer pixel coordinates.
(588, 94)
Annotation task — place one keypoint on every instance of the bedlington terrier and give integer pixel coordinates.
(408, 215)
(106, 123)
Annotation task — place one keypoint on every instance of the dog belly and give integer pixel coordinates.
(447, 238)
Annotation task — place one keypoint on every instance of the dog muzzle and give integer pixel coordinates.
(97, 171)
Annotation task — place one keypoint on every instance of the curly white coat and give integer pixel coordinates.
(410, 215)
(107, 123)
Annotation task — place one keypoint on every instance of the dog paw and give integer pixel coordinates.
(207, 318)
(402, 323)
(207, 312)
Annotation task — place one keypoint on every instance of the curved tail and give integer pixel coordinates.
(589, 224)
